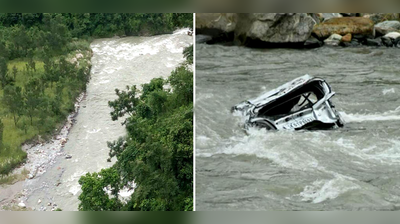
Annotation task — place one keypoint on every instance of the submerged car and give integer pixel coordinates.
(304, 103)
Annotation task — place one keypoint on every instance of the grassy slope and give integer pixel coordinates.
(14, 137)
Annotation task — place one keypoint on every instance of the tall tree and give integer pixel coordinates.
(15, 72)
(4, 79)
(33, 98)
(13, 100)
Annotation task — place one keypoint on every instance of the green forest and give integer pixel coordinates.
(155, 159)
(45, 66)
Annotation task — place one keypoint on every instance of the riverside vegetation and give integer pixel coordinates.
(45, 64)
(155, 158)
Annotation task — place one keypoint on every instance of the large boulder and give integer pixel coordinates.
(317, 17)
(386, 27)
(215, 22)
(274, 27)
(380, 17)
(345, 25)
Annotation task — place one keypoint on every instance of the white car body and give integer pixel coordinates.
(303, 103)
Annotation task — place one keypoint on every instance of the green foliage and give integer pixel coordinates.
(33, 98)
(157, 153)
(4, 77)
(95, 186)
(182, 83)
(57, 33)
(125, 104)
(182, 19)
(188, 54)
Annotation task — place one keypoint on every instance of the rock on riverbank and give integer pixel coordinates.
(304, 30)
(274, 27)
(342, 26)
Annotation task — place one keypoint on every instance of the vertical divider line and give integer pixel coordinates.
(194, 114)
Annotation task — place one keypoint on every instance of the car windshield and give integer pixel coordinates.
(298, 100)
(305, 101)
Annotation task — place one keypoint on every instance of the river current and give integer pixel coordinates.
(356, 167)
(116, 63)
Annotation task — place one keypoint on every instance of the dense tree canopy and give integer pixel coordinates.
(51, 33)
(156, 157)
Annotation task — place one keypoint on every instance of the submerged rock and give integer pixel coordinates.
(374, 42)
(313, 42)
(345, 25)
(353, 43)
(396, 42)
(274, 27)
(387, 41)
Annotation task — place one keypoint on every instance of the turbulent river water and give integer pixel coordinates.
(115, 64)
(352, 168)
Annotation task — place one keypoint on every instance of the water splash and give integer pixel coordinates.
(386, 116)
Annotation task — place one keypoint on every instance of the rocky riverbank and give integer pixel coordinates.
(299, 30)
(42, 155)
